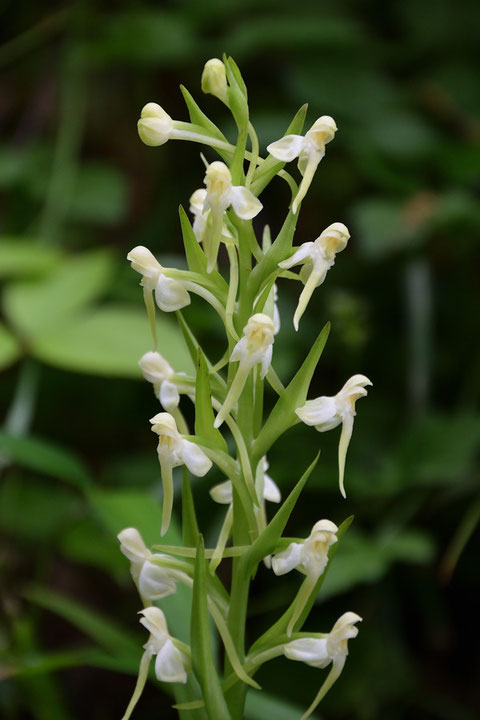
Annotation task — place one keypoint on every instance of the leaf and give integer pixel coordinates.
(10, 348)
(86, 543)
(204, 416)
(189, 518)
(198, 117)
(202, 657)
(40, 306)
(109, 341)
(266, 542)
(21, 257)
(283, 415)
(100, 195)
(261, 705)
(45, 457)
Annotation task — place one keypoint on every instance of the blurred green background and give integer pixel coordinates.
(78, 462)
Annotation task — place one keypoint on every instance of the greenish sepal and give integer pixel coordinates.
(271, 166)
(198, 117)
(189, 517)
(202, 656)
(215, 285)
(232, 67)
(262, 303)
(268, 265)
(204, 416)
(270, 637)
(196, 259)
(266, 543)
(283, 415)
(217, 383)
(237, 96)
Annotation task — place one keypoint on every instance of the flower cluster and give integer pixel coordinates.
(227, 392)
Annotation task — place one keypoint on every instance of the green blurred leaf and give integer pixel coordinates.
(20, 257)
(204, 417)
(86, 543)
(45, 457)
(38, 307)
(261, 705)
(10, 349)
(109, 341)
(100, 195)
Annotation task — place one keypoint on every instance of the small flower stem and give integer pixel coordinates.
(255, 150)
(232, 290)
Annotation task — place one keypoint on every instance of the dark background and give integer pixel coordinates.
(78, 190)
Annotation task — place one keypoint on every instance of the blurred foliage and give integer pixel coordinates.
(78, 191)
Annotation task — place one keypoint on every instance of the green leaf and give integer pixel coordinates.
(10, 348)
(20, 257)
(45, 457)
(189, 517)
(198, 117)
(109, 341)
(38, 307)
(106, 633)
(261, 705)
(202, 656)
(196, 259)
(100, 194)
(193, 346)
(283, 415)
(86, 543)
(266, 542)
(204, 416)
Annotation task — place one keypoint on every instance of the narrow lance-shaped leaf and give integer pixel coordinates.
(189, 517)
(197, 261)
(198, 117)
(204, 417)
(202, 658)
(218, 384)
(270, 637)
(295, 394)
(266, 542)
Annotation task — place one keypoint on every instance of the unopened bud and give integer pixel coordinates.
(155, 126)
(214, 79)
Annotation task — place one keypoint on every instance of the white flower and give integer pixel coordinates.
(171, 664)
(159, 372)
(317, 258)
(326, 413)
(154, 580)
(255, 346)
(155, 126)
(320, 652)
(170, 294)
(276, 314)
(311, 556)
(197, 202)
(214, 79)
(173, 451)
(223, 492)
(219, 196)
(309, 150)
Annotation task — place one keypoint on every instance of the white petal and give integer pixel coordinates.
(222, 493)
(154, 367)
(170, 664)
(170, 294)
(169, 396)
(195, 459)
(302, 253)
(132, 545)
(287, 148)
(154, 620)
(322, 412)
(244, 203)
(153, 583)
(144, 262)
(312, 651)
(197, 200)
(271, 491)
(288, 559)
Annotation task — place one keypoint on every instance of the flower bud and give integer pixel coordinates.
(155, 126)
(214, 79)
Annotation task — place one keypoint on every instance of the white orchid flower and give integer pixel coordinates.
(326, 413)
(197, 202)
(223, 492)
(154, 580)
(172, 663)
(173, 451)
(255, 346)
(170, 294)
(320, 652)
(317, 258)
(309, 150)
(276, 313)
(309, 557)
(160, 373)
(220, 195)
(214, 79)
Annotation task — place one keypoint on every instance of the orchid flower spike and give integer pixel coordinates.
(309, 150)
(173, 451)
(310, 558)
(320, 652)
(197, 201)
(219, 196)
(154, 580)
(317, 258)
(173, 661)
(255, 346)
(326, 413)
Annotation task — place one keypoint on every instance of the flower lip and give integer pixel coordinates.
(144, 262)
